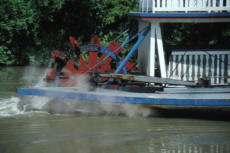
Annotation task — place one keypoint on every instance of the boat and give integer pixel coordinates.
(191, 78)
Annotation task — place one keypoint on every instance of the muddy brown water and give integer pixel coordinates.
(24, 130)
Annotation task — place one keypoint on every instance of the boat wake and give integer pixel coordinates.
(29, 104)
(9, 107)
(17, 106)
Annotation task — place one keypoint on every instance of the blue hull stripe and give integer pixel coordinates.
(124, 99)
(180, 15)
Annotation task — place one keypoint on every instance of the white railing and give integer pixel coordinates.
(194, 65)
(184, 5)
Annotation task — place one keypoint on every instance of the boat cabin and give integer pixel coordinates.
(186, 64)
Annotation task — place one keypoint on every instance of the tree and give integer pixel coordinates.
(30, 29)
(20, 21)
(17, 19)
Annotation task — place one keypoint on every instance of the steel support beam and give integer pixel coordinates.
(132, 51)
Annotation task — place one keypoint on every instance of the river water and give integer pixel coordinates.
(26, 127)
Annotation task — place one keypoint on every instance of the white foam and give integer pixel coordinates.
(9, 107)
(14, 106)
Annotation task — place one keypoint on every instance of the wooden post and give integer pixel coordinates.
(222, 69)
(190, 68)
(180, 67)
(201, 66)
(160, 50)
(143, 51)
(169, 70)
(156, 44)
(213, 69)
(172, 74)
(147, 6)
(218, 70)
(185, 68)
(164, 4)
(153, 6)
(151, 58)
(228, 69)
(207, 65)
(196, 68)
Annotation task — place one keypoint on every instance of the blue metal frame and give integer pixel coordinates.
(124, 99)
(132, 51)
(125, 41)
(105, 50)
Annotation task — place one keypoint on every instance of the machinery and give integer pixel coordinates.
(91, 59)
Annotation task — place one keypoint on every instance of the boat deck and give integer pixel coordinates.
(170, 96)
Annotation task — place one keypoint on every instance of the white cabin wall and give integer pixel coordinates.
(143, 50)
(150, 47)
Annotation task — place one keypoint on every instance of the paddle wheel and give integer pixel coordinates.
(90, 59)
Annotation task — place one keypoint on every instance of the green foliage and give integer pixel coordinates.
(197, 36)
(30, 29)
(16, 18)
(20, 24)
(109, 12)
(101, 17)
(6, 57)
